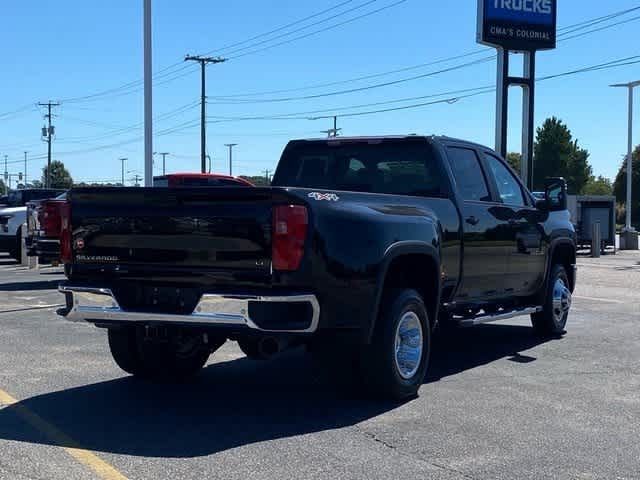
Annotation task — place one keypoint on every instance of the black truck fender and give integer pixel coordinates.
(559, 247)
(431, 285)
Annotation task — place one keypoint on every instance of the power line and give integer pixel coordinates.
(577, 35)
(279, 29)
(632, 60)
(374, 86)
(357, 79)
(472, 92)
(286, 34)
(137, 126)
(594, 21)
(326, 29)
(288, 116)
(565, 30)
(171, 73)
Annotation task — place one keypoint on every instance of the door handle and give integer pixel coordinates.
(472, 220)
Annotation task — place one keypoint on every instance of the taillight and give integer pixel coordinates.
(289, 233)
(66, 250)
(50, 219)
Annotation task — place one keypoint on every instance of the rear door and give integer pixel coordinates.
(526, 257)
(484, 230)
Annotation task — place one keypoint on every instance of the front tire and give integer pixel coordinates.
(396, 362)
(552, 320)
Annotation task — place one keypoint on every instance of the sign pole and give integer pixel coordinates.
(502, 101)
(526, 27)
(528, 111)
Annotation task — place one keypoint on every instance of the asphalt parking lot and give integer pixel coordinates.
(498, 402)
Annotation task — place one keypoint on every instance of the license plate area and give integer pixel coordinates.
(157, 299)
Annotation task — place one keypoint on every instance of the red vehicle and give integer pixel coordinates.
(177, 180)
(43, 227)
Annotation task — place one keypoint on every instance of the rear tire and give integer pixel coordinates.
(552, 320)
(124, 350)
(177, 358)
(395, 363)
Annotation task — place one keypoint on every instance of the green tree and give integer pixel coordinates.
(257, 180)
(598, 186)
(60, 176)
(3, 187)
(620, 185)
(514, 159)
(557, 154)
(579, 172)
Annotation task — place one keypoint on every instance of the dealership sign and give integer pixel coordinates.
(522, 25)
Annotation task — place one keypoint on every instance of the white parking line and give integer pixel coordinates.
(598, 299)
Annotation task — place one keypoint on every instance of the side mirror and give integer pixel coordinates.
(555, 195)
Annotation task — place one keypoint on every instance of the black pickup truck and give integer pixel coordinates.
(364, 243)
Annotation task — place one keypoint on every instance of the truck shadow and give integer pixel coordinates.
(232, 403)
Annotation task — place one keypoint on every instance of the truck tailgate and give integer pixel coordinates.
(200, 228)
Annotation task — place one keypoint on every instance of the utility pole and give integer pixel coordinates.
(148, 95)
(203, 103)
(6, 171)
(230, 145)
(47, 134)
(136, 179)
(266, 175)
(332, 132)
(164, 163)
(25, 169)
(123, 160)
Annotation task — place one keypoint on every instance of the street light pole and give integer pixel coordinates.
(230, 145)
(148, 97)
(123, 160)
(629, 86)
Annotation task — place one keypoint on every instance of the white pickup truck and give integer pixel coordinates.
(14, 214)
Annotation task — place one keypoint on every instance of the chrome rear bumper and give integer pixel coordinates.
(97, 305)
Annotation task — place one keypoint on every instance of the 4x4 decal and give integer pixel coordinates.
(331, 197)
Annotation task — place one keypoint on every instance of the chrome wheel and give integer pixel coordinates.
(408, 345)
(561, 301)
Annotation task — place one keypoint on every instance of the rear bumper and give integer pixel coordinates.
(46, 248)
(99, 305)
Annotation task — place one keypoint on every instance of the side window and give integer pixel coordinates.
(410, 176)
(508, 187)
(468, 174)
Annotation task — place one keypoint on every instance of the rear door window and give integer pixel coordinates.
(470, 179)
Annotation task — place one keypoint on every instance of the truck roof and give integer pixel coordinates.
(382, 138)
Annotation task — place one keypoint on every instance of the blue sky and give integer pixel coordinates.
(70, 48)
